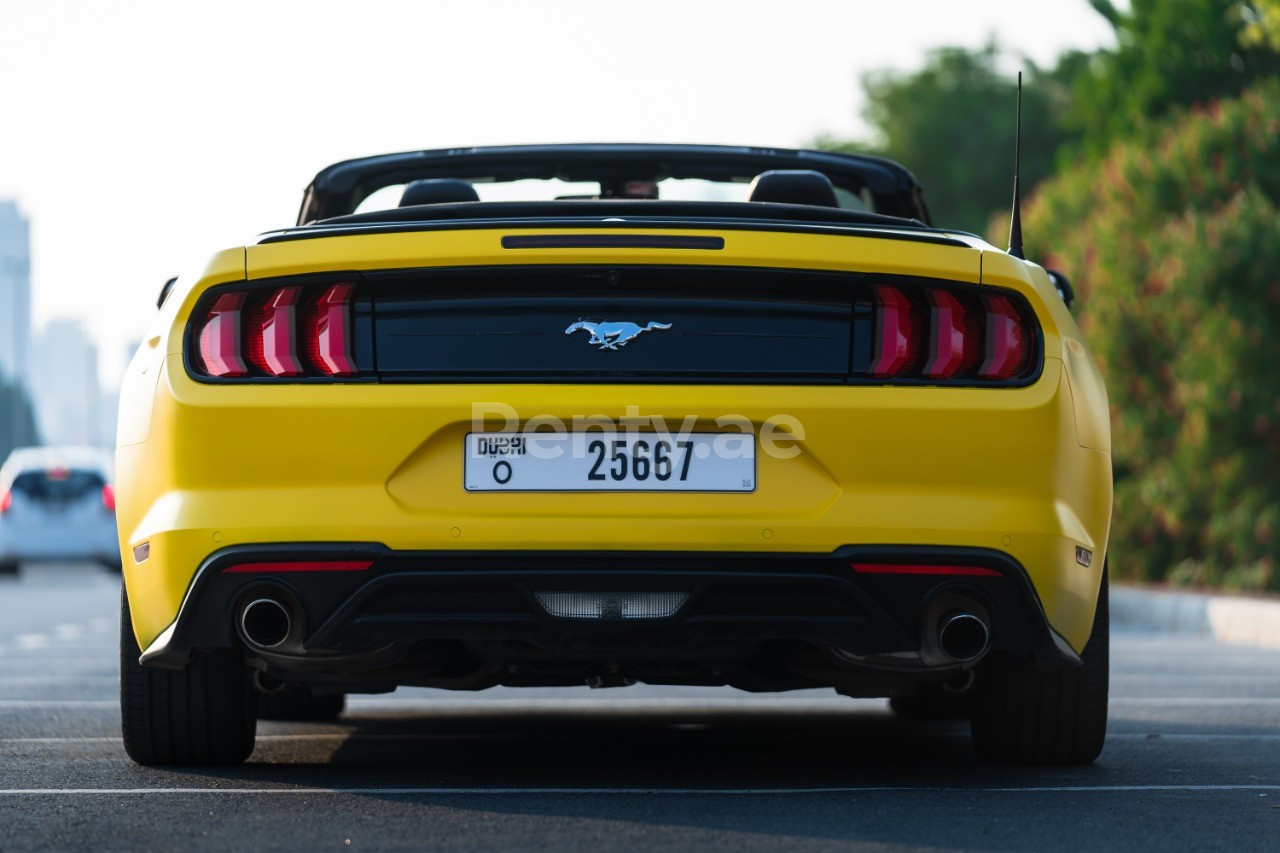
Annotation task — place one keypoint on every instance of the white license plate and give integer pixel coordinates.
(595, 461)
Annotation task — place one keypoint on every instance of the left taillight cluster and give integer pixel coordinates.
(294, 331)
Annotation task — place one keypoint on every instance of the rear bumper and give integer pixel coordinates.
(475, 618)
(995, 469)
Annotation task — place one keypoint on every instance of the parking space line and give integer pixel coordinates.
(684, 792)
(412, 736)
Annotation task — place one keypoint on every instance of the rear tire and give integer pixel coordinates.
(203, 714)
(1057, 717)
(297, 702)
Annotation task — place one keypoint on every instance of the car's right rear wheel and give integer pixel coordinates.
(1058, 717)
(203, 714)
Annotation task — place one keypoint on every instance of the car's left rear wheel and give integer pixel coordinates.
(203, 714)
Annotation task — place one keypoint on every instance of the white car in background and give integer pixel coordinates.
(57, 503)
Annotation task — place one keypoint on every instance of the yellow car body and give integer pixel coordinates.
(203, 467)
(1022, 472)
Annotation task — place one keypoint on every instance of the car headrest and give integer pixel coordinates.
(794, 186)
(437, 191)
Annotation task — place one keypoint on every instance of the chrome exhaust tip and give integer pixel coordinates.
(964, 637)
(265, 623)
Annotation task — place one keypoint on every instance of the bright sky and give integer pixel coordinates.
(141, 137)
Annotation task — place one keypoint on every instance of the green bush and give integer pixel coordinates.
(1173, 242)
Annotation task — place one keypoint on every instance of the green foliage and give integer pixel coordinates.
(17, 418)
(1170, 53)
(1173, 241)
(1261, 24)
(952, 124)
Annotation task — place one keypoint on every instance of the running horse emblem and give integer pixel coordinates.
(606, 335)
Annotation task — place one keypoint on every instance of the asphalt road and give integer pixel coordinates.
(1192, 762)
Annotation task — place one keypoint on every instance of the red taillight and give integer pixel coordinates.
(220, 338)
(301, 566)
(897, 333)
(6, 500)
(919, 569)
(109, 498)
(329, 332)
(286, 332)
(1006, 344)
(273, 334)
(945, 334)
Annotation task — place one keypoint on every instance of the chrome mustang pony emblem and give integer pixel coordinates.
(608, 335)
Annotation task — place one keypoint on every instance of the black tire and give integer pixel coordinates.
(1057, 717)
(203, 714)
(933, 702)
(9, 567)
(297, 702)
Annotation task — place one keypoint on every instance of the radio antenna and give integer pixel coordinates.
(1015, 223)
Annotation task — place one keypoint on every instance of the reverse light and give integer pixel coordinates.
(219, 338)
(109, 498)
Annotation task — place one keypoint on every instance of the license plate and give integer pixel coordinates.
(593, 461)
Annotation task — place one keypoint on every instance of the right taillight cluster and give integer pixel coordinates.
(289, 332)
(937, 334)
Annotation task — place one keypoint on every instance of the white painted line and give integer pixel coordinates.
(412, 736)
(59, 703)
(31, 641)
(68, 631)
(745, 707)
(682, 792)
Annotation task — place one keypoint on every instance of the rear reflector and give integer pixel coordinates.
(220, 338)
(919, 569)
(301, 566)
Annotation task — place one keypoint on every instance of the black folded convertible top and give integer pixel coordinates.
(339, 189)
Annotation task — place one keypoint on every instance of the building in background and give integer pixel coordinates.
(15, 293)
(64, 382)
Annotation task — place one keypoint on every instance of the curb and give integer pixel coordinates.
(1230, 619)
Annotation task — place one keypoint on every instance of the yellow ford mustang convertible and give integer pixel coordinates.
(607, 414)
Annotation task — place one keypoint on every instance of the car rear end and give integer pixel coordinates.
(57, 504)
(328, 462)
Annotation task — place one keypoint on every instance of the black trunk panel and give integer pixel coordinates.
(735, 324)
